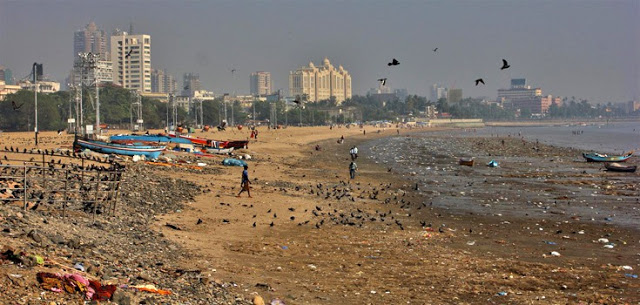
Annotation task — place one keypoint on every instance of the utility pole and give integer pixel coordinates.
(37, 72)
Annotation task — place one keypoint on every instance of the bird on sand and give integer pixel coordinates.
(479, 80)
(383, 81)
(394, 62)
(271, 224)
(505, 65)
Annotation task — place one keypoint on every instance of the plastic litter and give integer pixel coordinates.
(634, 276)
(492, 163)
(233, 162)
(555, 253)
(502, 293)
(79, 266)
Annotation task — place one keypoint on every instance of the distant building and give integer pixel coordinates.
(131, 57)
(6, 89)
(438, 92)
(90, 40)
(320, 83)
(6, 75)
(190, 84)
(454, 96)
(44, 86)
(260, 83)
(519, 91)
(632, 106)
(537, 105)
(162, 82)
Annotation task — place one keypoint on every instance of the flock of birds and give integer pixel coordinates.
(395, 62)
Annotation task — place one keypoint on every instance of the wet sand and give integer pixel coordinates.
(377, 240)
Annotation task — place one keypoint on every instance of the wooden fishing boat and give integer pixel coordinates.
(596, 157)
(238, 144)
(617, 167)
(218, 151)
(466, 161)
(150, 152)
(156, 139)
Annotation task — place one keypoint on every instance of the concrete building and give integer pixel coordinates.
(632, 106)
(519, 90)
(190, 84)
(162, 82)
(437, 92)
(131, 57)
(6, 75)
(454, 96)
(537, 105)
(90, 40)
(260, 83)
(321, 83)
(44, 86)
(6, 89)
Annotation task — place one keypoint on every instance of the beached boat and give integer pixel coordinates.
(146, 139)
(238, 144)
(219, 151)
(617, 167)
(596, 157)
(150, 152)
(466, 161)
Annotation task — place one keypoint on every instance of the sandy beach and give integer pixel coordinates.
(397, 233)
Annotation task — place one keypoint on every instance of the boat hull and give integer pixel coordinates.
(150, 152)
(615, 167)
(219, 151)
(594, 157)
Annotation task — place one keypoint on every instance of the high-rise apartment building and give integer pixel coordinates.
(438, 92)
(454, 96)
(90, 40)
(519, 90)
(162, 82)
(131, 57)
(190, 84)
(260, 83)
(6, 75)
(321, 83)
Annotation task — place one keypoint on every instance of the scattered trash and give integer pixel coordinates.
(634, 276)
(492, 163)
(609, 246)
(284, 247)
(555, 253)
(151, 288)
(502, 293)
(173, 226)
(626, 268)
(79, 266)
(603, 240)
(233, 162)
(276, 302)
(471, 243)
(550, 243)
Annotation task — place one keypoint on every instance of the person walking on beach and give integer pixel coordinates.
(244, 185)
(353, 167)
(354, 153)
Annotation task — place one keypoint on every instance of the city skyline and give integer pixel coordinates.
(585, 49)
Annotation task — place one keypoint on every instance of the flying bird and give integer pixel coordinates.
(15, 106)
(394, 62)
(233, 71)
(479, 80)
(383, 81)
(505, 65)
(128, 53)
(436, 49)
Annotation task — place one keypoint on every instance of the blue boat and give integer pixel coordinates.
(150, 152)
(596, 157)
(146, 139)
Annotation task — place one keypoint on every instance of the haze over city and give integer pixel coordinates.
(587, 49)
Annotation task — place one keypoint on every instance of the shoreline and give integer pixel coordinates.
(375, 239)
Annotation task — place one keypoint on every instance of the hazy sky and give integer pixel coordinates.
(587, 49)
